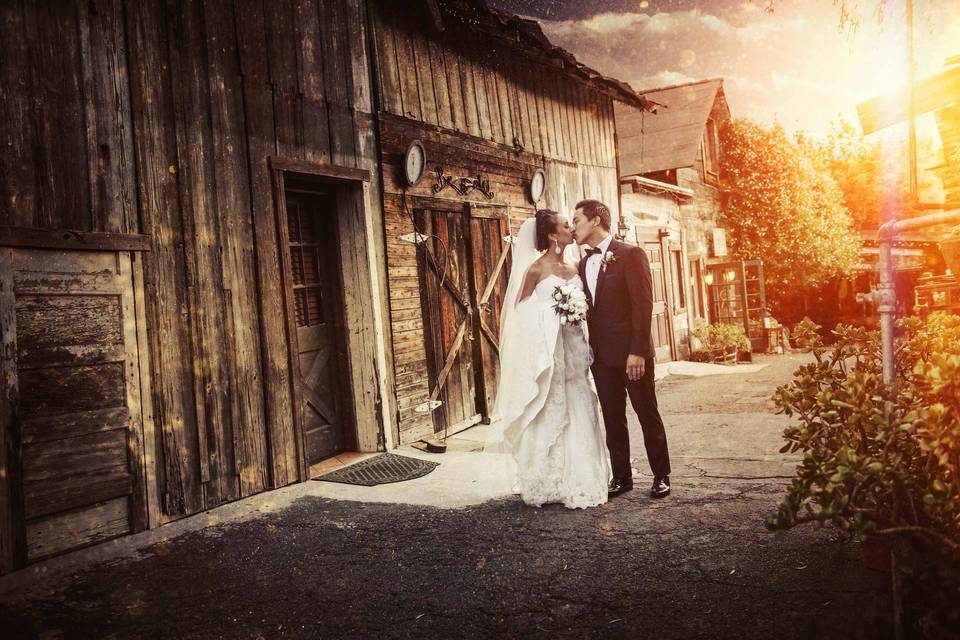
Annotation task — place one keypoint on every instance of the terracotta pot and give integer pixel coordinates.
(950, 248)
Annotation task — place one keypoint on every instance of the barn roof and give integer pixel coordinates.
(670, 137)
(526, 36)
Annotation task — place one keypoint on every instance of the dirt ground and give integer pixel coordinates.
(698, 564)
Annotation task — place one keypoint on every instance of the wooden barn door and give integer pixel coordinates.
(662, 319)
(490, 259)
(448, 316)
(317, 311)
(71, 364)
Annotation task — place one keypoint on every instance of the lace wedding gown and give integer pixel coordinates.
(555, 435)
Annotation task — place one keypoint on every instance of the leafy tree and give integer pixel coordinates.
(782, 208)
(875, 184)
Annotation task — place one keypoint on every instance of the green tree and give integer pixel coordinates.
(781, 207)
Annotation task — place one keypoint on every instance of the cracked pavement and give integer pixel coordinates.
(698, 564)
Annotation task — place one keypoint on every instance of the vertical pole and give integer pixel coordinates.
(912, 150)
(888, 305)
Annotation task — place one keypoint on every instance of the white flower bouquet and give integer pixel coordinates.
(570, 303)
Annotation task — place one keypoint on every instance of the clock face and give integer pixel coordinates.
(537, 183)
(414, 163)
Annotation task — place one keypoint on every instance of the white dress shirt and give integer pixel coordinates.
(592, 267)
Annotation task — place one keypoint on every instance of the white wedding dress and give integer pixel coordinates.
(549, 414)
(557, 439)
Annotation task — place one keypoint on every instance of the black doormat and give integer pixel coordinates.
(381, 469)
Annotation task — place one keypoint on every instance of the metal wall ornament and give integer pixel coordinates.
(463, 186)
(414, 162)
(538, 183)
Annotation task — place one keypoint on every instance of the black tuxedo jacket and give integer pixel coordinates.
(620, 317)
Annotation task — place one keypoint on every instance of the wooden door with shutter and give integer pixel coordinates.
(490, 261)
(315, 289)
(448, 315)
(72, 365)
(660, 327)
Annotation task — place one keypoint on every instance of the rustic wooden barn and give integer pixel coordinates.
(491, 100)
(191, 222)
(669, 176)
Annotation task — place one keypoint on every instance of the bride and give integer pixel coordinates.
(546, 400)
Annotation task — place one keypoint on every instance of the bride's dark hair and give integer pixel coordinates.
(546, 224)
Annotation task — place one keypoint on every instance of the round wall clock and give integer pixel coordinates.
(414, 162)
(538, 182)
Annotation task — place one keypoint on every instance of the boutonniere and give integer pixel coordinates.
(607, 258)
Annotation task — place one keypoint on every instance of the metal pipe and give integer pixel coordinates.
(887, 292)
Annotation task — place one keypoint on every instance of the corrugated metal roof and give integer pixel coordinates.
(669, 138)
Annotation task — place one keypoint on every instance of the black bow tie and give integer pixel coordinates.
(593, 252)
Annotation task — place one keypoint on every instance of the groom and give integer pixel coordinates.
(619, 289)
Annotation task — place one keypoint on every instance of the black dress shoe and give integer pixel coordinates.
(618, 486)
(661, 487)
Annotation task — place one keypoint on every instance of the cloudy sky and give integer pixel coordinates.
(793, 65)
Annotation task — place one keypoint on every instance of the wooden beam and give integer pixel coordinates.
(70, 239)
(929, 94)
(337, 172)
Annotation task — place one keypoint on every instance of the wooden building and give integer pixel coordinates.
(492, 102)
(669, 182)
(209, 273)
(191, 224)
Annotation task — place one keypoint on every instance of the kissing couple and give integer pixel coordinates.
(559, 370)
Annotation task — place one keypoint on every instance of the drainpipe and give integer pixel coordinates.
(887, 294)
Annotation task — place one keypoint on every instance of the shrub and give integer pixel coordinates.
(718, 340)
(877, 458)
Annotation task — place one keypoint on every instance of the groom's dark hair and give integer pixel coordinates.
(594, 208)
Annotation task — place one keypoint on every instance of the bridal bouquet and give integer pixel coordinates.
(570, 304)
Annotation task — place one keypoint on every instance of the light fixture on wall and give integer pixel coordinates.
(730, 275)
(708, 278)
(538, 184)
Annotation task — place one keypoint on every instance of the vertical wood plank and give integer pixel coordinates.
(451, 62)
(506, 104)
(338, 79)
(480, 91)
(406, 61)
(437, 68)
(493, 99)
(242, 365)
(355, 17)
(139, 509)
(422, 65)
(150, 460)
(164, 275)
(313, 117)
(18, 134)
(107, 114)
(13, 546)
(548, 144)
(282, 67)
(389, 69)
(189, 65)
(286, 286)
(470, 109)
(62, 171)
(258, 112)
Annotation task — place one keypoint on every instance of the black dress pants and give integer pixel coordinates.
(613, 388)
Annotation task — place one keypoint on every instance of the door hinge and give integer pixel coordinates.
(428, 406)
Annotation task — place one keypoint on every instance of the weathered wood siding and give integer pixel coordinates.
(159, 118)
(480, 108)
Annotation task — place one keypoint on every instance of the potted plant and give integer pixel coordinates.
(718, 342)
